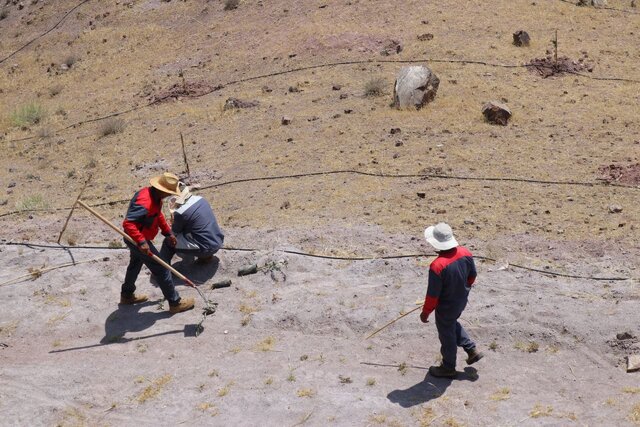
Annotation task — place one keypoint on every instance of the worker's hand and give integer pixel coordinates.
(145, 249)
(424, 317)
(172, 240)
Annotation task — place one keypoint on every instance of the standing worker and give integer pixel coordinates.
(195, 228)
(451, 276)
(141, 223)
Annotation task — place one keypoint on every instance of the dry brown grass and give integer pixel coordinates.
(266, 344)
(634, 416)
(424, 416)
(306, 392)
(539, 411)
(153, 389)
(502, 394)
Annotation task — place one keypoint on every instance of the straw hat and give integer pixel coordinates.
(167, 182)
(184, 195)
(440, 236)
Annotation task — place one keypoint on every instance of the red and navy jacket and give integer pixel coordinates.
(144, 216)
(451, 276)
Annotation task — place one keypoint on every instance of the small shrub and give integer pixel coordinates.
(112, 126)
(374, 87)
(231, 4)
(32, 203)
(28, 115)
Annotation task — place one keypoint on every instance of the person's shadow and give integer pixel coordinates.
(129, 318)
(428, 389)
(196, 272)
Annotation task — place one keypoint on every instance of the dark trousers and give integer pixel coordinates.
(136, 261)
(452, 335)
(167, 252)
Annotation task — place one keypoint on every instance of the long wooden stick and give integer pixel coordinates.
(38, 273)
(64, 227)
(184, 155)
(393, 321)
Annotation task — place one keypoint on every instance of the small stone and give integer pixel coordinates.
(425, 37)
(285, 120)
(348, 111)
(496, 113)
(422, 195)
(624, 336)
(615, 208)
(336, 87)
(394, 131)
(469, 222)
(633, 363)
(415, 87)
(399, 143)
(521, 38)
(336, 116)
(285, 205)
(343, 96)
(293, 89)
(266, 89)
(235, 104)
(11, 184)
(4, 202)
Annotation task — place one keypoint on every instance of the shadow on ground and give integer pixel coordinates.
(428, 389)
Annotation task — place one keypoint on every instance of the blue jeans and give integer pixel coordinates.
(137, 259)
(452, 335)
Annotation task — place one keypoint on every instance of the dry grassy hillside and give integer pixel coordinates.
(79, 100)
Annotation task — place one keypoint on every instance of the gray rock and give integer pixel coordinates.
(235, 103)
(624, 336)
(521, 38)
(615, 208)
(633, 363)
(496, 113)
(415, 86)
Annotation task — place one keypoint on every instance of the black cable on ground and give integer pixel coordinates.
(355, 172)
(313, 67)
(45, 33)
(331, 257)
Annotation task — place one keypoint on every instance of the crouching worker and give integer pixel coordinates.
(195, 228)
(141, 223)
(451, 276)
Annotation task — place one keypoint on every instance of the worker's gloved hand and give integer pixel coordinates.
(145, 249)
(424, 317)
(172, 240)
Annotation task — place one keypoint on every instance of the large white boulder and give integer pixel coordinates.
(415, 86)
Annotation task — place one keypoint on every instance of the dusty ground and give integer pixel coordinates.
(73, 357)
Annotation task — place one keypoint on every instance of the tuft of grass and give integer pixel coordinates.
(631, 390)
(502, 394)
(371, 382)
(213, 373)
(635, 414)
(208, 407)
(112, 126)
(539, 411)
(33, 202)
(266, 344)
(306, 392)
(493, 346)
(345, 380)
(291, 378)
(115, 244)
(530, 347)
(153, 389)
(142, 348)
(374, 87)
(28, 115)
(246, 319)
(451, 422)
(72, 239)
(425, 416)
(225, 390)
(268, 381)
(403, 368)
(57, 343)
(247, 309)
(231, 4)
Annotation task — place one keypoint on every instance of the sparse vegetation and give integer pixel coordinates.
(225, 390)
(115, 244)
(291, 378)
(112, 126)
(33, 202)
(28, 115)
(371, 382)
(425, 416)
(266, 344)
(403, 368)
(493, 346)
(452, 422)
(635, 414)
(541, 411)
(502, 394)
(345, 380)
(306, 392)
(530, 347)
(268, 381)
(375, 87)
(153, 389)
(631, 390)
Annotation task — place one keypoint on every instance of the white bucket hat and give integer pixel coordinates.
(440, 236)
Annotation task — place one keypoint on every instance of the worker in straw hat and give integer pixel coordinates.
(143, 219)
(451, 276)
(195, 228)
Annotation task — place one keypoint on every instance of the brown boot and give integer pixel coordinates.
(473, 356)
(442, 372)
(132, 299)
(184, 305)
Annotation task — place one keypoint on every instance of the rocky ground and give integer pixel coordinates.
(286, 346)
